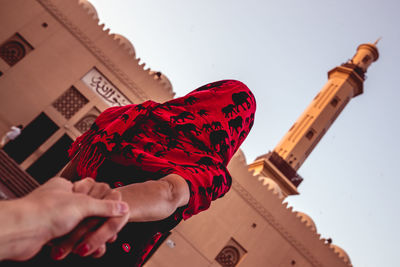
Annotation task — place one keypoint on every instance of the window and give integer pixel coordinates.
(31, 137)
(52, 161)
(310, 134)
(366, 58)
(86, 122)
(231, 254)
(70, 102)
(335, 101)
(14, 49)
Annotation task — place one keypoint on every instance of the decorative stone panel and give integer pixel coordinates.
(86, 122)
(70, 102)
(231, 254)
(103, 88)
(14, 49)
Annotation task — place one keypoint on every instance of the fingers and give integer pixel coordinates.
(55, 183)
(89, 187)
(89, 238)
(93, 241)
(84, 186)
(99, 191)
(99, 252)
(102, 207)
(112, 239)
(93, 207)
(106, 232)
(64, 246)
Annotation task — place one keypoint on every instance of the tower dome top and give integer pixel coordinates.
(124, 41)
(266, 181)
(89, 7)
(307, 219)
(365, 55)
(371, 47)
(341, 252)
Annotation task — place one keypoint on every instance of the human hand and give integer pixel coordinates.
(92, 234)
(53, 210)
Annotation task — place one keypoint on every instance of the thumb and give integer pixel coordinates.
(102, 208)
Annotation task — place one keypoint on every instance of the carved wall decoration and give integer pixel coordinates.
(14, 49)
(231, 254)
(109, 93)
(228, 257)
(86, 122)
(70, 102)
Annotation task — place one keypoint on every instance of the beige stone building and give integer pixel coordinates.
(251, 225)
(59, 69)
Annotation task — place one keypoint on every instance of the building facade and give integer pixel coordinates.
(59, 69)
(251, 225)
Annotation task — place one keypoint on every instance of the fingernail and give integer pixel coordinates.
(96, 253)
(123, 208)
(57, 253)
(83, 249)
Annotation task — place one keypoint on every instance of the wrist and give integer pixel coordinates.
(37, 221)
(21, 233)
(31, 223)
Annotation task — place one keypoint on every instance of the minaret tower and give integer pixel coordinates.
(344, 83)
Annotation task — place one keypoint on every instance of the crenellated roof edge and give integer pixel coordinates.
(117, 57)
(284, 219)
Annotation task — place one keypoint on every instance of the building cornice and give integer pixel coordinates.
(257, 206)
(84, 38)
(284, 183)
(353, 77)
(244, 181)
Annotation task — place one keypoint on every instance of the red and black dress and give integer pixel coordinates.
(193, 136)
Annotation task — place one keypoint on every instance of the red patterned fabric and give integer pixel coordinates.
(193, 136)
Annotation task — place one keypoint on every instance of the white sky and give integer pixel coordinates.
(282, 50)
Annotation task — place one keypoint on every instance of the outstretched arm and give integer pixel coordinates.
(148, 201)
(155, 200)
(50, 211)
